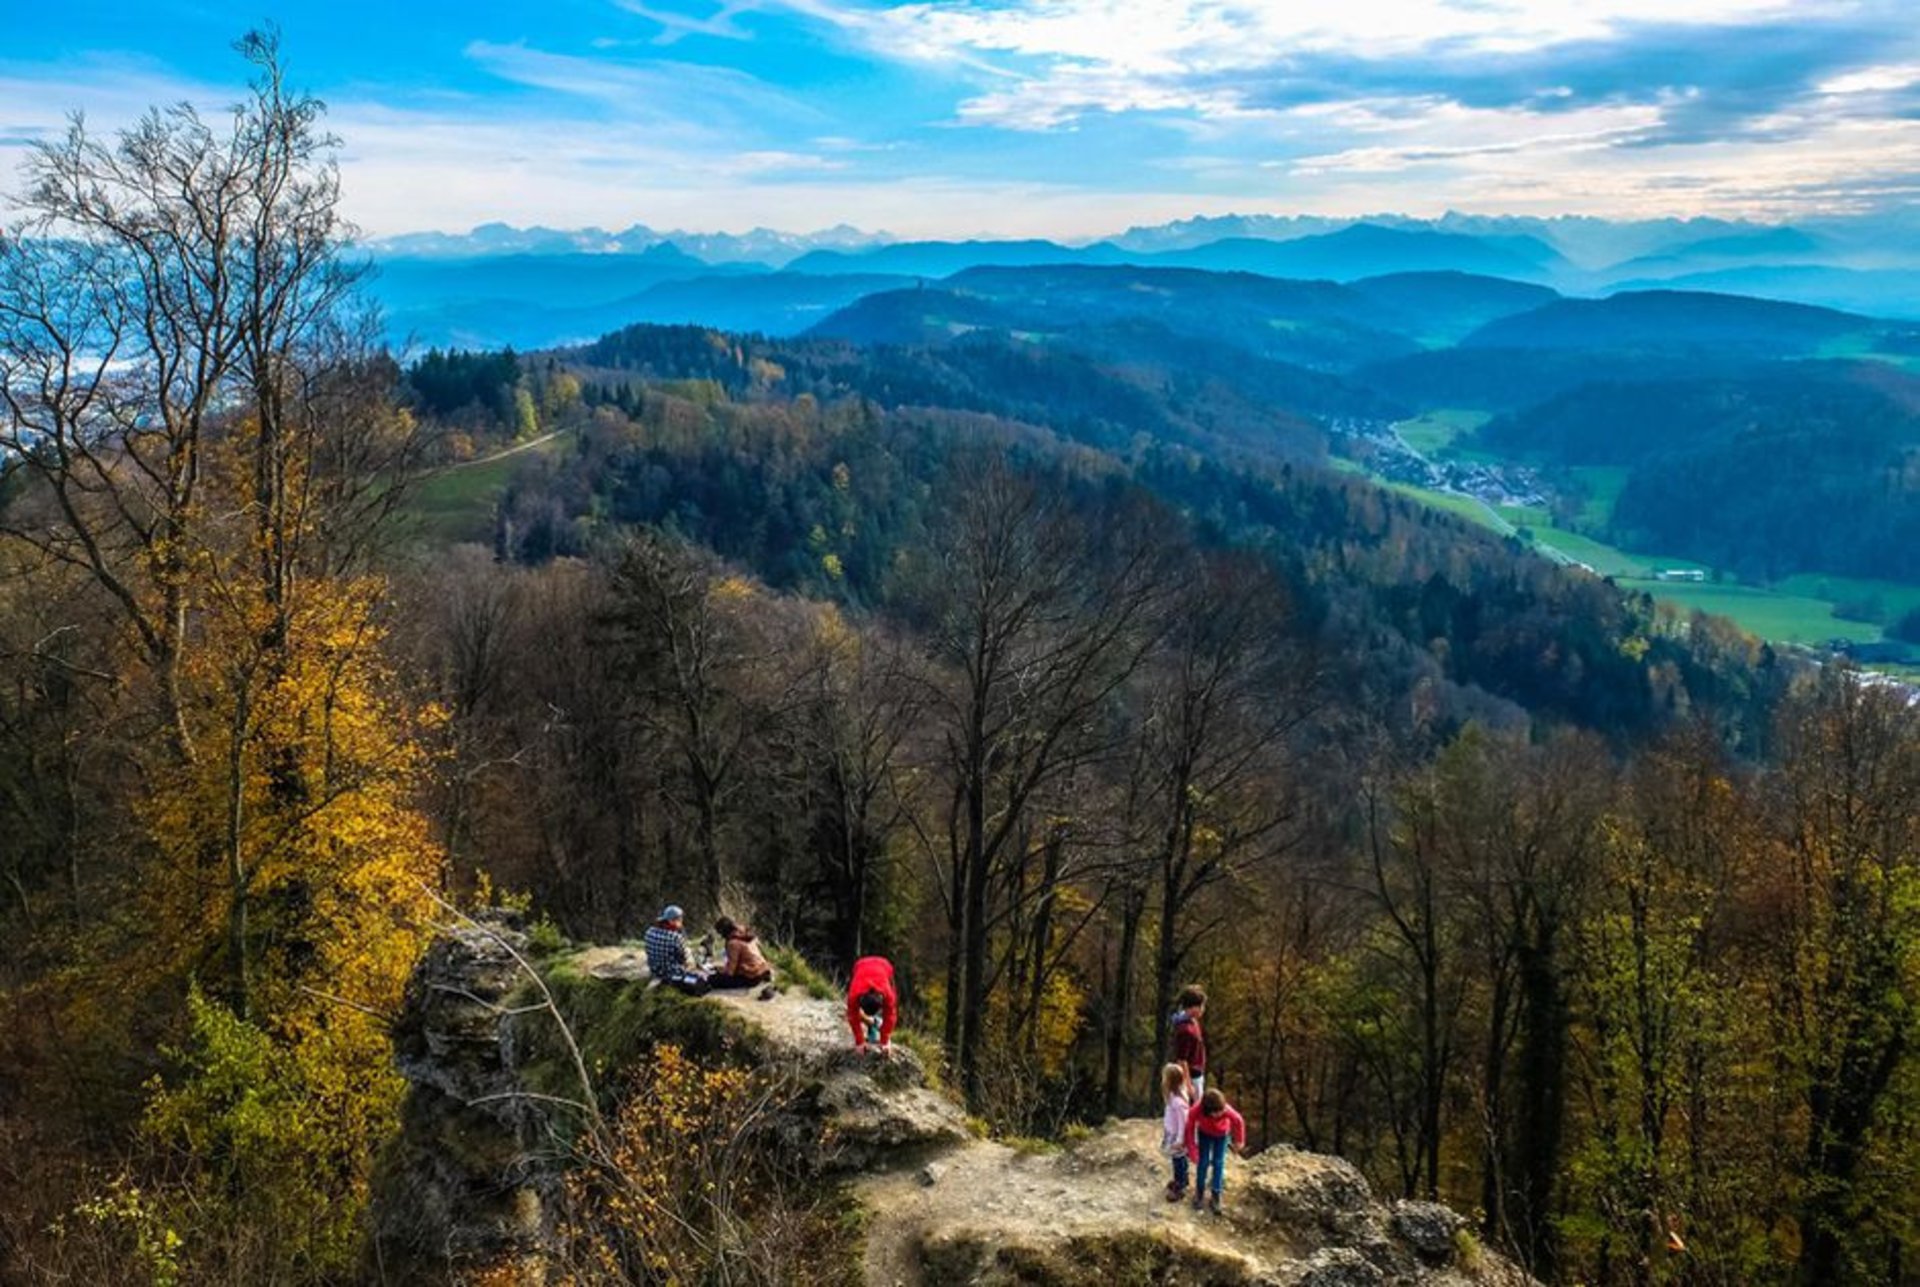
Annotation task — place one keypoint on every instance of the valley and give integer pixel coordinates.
(1435, 459)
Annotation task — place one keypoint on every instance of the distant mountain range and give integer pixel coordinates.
(538, 287)
(761, 245)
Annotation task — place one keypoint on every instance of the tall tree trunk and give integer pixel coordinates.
(974, 974)
(1542, 1095)
(237, 874)
(1166, 960)
(1433, 1065)
(1055, 848)
(1120, 998)
(1493, 1171)
(973, 880)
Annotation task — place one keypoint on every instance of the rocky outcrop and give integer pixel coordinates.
(1095, 1212)
(475, 1178)
(467, 1182)
(475, 1174)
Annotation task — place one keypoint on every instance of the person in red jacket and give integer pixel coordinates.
(872, 1004)
(1210, 1127)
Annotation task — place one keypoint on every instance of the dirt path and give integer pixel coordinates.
(518, 447)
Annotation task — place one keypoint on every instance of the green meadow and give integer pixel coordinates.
(456, 504)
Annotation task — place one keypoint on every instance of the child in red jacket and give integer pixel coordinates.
(1209, 1129)
(872, 1004)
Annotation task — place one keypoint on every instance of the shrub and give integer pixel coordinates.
(792, 970)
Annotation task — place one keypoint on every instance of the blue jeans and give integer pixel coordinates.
(1213, 1156)
(1180, 1171)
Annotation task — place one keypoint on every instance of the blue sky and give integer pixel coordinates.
(1034, 117)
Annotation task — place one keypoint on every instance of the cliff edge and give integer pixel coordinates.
(476, 1178)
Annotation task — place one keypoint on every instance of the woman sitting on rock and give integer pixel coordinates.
(744, 967)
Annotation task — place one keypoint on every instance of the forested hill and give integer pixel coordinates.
(1790, 467)
(821, 465)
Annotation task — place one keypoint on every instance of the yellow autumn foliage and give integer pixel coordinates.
(297, 811)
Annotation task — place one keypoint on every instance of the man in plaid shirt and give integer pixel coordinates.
(669, 958)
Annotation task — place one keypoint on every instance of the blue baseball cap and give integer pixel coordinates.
(671, 912)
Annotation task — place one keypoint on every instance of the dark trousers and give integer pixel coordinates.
(719, 981)
(1180, 1172)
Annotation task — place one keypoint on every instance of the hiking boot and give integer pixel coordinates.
(1199, 1200)
(1213, 1204)
(1175, 1191)
(769, 992)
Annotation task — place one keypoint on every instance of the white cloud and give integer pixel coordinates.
(1404, 134)
(1072, 57)
(1874, 80)
(1190, 35)
(615, 140)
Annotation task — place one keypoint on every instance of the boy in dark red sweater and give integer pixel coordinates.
(1189, 1040)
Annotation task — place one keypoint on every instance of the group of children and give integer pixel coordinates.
(1199, 1125)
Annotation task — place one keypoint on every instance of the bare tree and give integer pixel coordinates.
(1036, 624)
(164, 287)
(1225, 694)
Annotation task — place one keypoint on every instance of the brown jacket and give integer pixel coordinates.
(743, 958)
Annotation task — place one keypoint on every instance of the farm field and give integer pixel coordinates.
(1433, 434)
(1453, 503)
(1770, 614)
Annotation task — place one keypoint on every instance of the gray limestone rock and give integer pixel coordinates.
(1428, 1228)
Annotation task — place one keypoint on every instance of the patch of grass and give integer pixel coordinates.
(1435, 432)
(1031, 1145)
(457, 503)
(1459, 506)
(1603, 485)
(1524, 515)
(546, 939)
(1467, 1249)
(792, 970)
(1121, 1258)
(616, 1024)
(1895, 597)
(933, 1055)
(1607, 560)
(1783, 618)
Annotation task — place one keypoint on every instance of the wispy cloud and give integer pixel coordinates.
(674, 25)
(688, 94)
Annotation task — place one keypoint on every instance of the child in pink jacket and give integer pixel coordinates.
(1178, 1092)
(1210, 1127)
